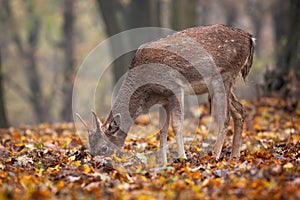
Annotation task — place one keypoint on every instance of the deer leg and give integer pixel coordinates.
(221, 137)
(237, 113)
(223, 119)
(177, 122)
(164, 119)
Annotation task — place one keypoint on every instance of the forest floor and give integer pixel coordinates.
(50, 161)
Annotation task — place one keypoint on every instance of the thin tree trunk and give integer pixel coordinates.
(27, 51)
(287, 29)
(3, 22)
(113, 15)
(3, 118)
(139, 13)
(184, 14)
(155, 7)
(33, 77)
(36, 96)
(291, 53)
(119, 16)
(69, 65)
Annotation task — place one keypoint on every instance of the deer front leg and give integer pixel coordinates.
(237, 113)
(164, 119)
(177, 116)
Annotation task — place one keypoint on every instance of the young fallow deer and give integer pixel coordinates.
(192, 53)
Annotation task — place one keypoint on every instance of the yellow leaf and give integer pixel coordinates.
(118, 159)
(87, 168)
(72, 158)
(195, 188)
(146, 197)
(198, 149)
(9, 159)
(60, 184)
(20, 145)
(288, 165)
(298, 108)
(189, 181)
(76, 163)
(257, 127)
(206, 182)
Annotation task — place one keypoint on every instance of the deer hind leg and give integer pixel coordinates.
(164, 119)
(177, 116)
(223, 118)
(238, 115)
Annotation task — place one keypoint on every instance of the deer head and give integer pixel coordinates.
(104, 139)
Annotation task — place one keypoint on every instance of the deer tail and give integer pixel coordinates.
(248, 63)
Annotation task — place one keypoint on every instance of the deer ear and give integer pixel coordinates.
(96, 121)
(115, 124)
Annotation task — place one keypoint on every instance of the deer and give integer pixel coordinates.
(207, 58)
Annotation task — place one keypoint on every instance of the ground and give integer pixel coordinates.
(50, 161)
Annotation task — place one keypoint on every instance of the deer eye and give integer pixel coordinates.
(104, 148)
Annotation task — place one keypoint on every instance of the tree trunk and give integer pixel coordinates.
(35, 84)
(155, 7)
(36, 95)
(113, 15)
(292, 49)
(138, 13)
(119, 16)
(3, 21)
(287, 29)
(184, 14)
(69, 66)
(3, 118)
(27, 51)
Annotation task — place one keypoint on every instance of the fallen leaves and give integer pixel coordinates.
(51, 161)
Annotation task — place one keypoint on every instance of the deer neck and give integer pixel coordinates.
(129, 104)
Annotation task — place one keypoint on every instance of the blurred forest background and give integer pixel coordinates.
(43, 43)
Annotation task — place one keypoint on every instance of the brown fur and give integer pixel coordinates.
(232, 52)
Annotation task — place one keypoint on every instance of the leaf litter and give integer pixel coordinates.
(51, 162)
